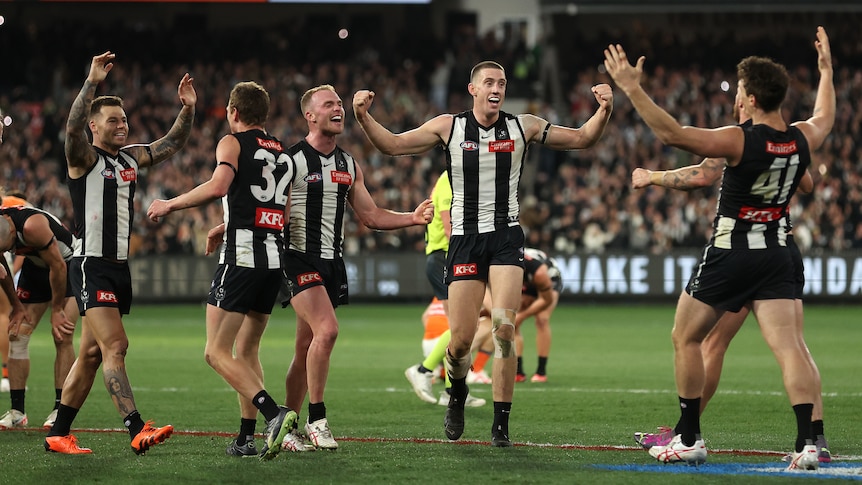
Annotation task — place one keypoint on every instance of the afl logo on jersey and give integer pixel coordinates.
(108, 174)
(313, 177)
(469, 146)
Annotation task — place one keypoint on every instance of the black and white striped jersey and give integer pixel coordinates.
(485, 166)
(752, 204)
(103, 203)
(254, 203)
(319, 199)
(20, 214)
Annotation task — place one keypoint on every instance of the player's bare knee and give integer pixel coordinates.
(503, 330)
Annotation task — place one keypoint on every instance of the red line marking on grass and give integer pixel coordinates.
(224, 434)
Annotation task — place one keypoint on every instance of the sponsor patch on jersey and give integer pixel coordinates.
(760, 214)
(501, 146)
(106, 296)
(343, 178)
(467, 269)
(269, 144)
(313, 178)
(128, 175)
(469, 146)
(781, 148)
(308, 278)
(108, 174)
(268, 218)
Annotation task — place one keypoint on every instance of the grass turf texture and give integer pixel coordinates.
(610, 374)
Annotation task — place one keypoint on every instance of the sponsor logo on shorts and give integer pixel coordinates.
(106, 296)
(23, 294)
(501, 146)
(308, 278)
(343, 178)
(469, 146)
(269, 218)
(467, 269)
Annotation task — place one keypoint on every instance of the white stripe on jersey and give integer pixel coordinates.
(756, 237)
(273, 255)
(94, 213)
(244, 248)
(723, 230)
(487, 183)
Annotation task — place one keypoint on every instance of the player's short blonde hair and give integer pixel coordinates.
(306, 97)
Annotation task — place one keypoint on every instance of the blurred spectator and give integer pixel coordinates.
(577, 201)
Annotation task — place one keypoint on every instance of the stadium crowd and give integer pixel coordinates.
(573, 202)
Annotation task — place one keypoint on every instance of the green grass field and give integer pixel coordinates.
(610, 373)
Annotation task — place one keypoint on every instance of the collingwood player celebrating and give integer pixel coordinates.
(485, 149)
(327, 178)
(252, 177)
(102, 181)
(748, 257)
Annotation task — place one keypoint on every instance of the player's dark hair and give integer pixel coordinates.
(765, 79)
(98, 103)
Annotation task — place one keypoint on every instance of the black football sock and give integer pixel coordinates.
(134, 422)
(316, 411)
(501, 419)
(63, 425)
(266, 405)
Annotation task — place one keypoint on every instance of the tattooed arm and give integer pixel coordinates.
(692, 177)
(79, 153)
(165, 147)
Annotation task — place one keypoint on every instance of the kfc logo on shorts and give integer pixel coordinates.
(128, 175)
(106, 296)
(308, 278)
(469, 146)
(23, 294)
(464, 269)
(501, 146)
(268, 218)
(343, 178)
